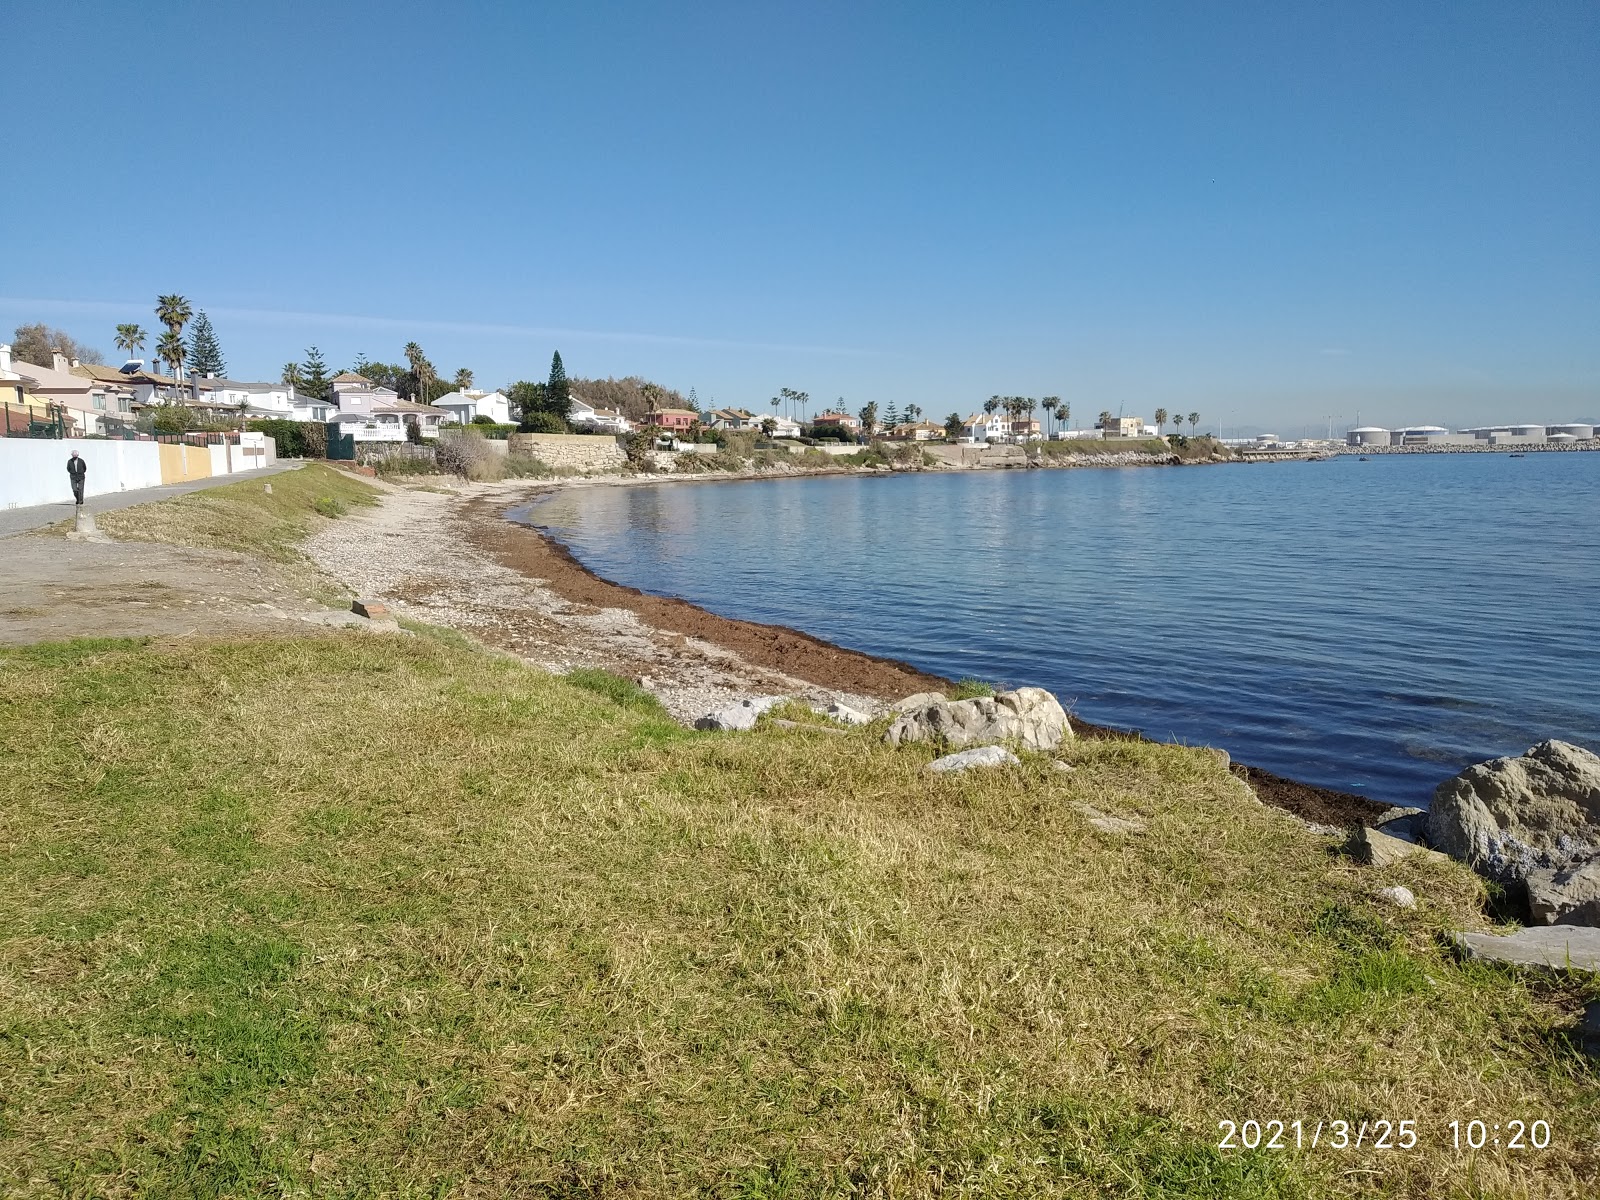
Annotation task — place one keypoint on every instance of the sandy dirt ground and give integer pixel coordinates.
(52, 589)
(453, 560)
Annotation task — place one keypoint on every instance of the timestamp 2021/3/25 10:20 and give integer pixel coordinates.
(1382, 1134)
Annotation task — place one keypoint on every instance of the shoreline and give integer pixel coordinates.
(535, 553)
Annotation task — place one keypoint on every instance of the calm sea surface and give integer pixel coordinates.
(1372, 626)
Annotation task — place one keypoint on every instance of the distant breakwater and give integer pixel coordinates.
(1477, 448)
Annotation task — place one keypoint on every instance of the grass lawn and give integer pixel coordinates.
(244, 516)
(351, 915)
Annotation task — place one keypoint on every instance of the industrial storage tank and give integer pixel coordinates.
(1581, 432)
(1533, 432)
(1367, 435)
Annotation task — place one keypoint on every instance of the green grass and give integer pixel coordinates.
(971, 689)
(349, 915)
(243, 516)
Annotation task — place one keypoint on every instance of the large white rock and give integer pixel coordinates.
(1029, 717)
(845, 714)
(1518, 814)
(737, 718)
(978, 756)
(919, 700)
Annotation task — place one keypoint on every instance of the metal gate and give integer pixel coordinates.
(341, 446)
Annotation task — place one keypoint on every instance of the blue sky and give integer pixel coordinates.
(1271, 213)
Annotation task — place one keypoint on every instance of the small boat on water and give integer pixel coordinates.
(1519, 456)
(1364, 458)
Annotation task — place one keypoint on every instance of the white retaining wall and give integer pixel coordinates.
(34, 470)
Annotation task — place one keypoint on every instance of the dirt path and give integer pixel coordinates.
(52, 589)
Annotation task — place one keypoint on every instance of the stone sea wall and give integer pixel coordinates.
(1478, 448)
(577, 451)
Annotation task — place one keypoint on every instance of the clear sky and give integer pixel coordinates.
(1272, 213)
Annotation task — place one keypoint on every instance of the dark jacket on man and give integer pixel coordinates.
(76, 470)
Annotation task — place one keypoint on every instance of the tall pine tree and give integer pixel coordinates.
(557, 395)
(314, 375)
(205, 354)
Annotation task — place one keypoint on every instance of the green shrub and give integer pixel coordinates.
(638, 447)
(173, 418)
(971, 689)
(329, 506)
(525, 466)
(291, 437)
(542, 422)
(399, 465)
(483, 419)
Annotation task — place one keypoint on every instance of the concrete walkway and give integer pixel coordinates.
(20, 520)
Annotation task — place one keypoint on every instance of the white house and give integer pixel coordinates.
(782, 427)
(310, 408)
(986, 427)
(258, 401)
(467, 404)
(732, 419)
(377, 414)
(583, 415)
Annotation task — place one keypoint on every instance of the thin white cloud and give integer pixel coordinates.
(409, 326)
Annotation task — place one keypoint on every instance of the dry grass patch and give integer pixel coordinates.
(366, 916)
(244, 516)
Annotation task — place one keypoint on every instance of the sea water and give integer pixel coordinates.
(1370, 626)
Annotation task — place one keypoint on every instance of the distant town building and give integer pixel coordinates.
(1123, 427)
(837, 420)
(583, 415)
(673, 420)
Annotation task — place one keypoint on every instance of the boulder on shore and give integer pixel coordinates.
(738, 717)
(1513, 815)
(978, 756)
(1029, 717)
(1565, 897)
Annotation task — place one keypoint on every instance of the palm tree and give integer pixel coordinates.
(174, 312)
(1194, 420)
(1032, 404)
(463, 379)
(130, 338)
(291, 375)
(1161, 419)
(1049, 406)
(1105, 419)
(170, 351)
(1063, 411)
(1177, 421)
(802, 401)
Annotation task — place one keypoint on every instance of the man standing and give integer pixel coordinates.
(76, 470)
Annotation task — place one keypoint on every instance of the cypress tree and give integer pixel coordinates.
(205, 354)
(557, 396)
